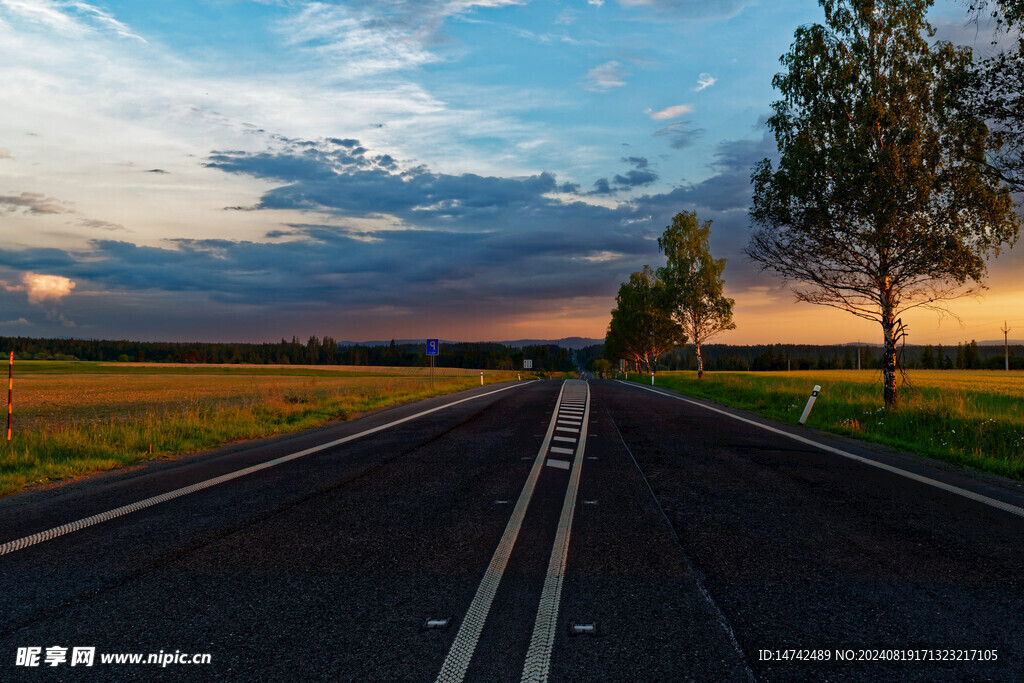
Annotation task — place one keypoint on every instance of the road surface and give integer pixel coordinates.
(545, 530)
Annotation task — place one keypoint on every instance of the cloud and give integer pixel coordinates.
(602, 186)
(368, 37)
(602, 256)
(384, 235)
(691, 9)
(605, 77)
(380, 234)
(680, 133)
(34, 203)
(641, 175)
(69, 18)
(101, 225)
(567, 17)
(705, 81)
(669, 112)
(43, 288)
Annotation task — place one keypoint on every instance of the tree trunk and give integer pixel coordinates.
(889, 358)
(700, 361)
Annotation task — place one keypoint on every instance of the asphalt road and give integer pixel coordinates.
(683, 543)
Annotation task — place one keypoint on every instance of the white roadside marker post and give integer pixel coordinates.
(481, 378)
(10, 395)
(810, 402)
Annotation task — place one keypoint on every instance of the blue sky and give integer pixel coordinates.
(467, 169)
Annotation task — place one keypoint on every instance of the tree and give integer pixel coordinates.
(694, 282)
(928, 358)
(642, 327)
(993, 91)
(879, 204)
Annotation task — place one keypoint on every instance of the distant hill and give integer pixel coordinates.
(565, 342)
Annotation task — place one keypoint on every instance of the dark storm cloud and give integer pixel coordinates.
(638, 177)
(444, 243)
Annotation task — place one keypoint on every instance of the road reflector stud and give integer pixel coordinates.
(501, 502)
(584, 630)
(590, 502)
(436, 624)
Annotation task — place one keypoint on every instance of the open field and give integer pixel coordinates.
(973, 418)
(75, 418)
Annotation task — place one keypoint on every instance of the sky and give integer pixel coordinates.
(472, 170)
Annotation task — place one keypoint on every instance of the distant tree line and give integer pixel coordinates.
(315, 351)
(725, 357)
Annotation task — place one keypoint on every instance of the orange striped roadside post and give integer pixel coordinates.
(10, 395)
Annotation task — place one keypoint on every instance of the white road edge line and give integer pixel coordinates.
(461, 652)
(538, 657)
(998, 504)
(77, 525)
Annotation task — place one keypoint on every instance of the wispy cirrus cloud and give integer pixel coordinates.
(705, 81)
(605, 77)
(672, 112)
(71, 18)
(369, 37)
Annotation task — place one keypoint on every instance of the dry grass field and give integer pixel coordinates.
(74, 418)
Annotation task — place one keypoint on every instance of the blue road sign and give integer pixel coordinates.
(432, 347)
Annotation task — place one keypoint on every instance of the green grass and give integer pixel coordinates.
(73, 419)
(970, 418)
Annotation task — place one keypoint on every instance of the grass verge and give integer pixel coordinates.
(90, 419)
(970, 418)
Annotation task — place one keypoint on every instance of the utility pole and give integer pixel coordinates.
(1006, 345)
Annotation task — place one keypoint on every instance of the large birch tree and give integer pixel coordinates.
(879, 203)
(693, 280)
(994, 89)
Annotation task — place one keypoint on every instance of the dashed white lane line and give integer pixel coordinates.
(563, 438)
(563, 451)
(998, 504)
(560, 464)
(457, 662)
(77, 525)
(538, 657)
(567, 429)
